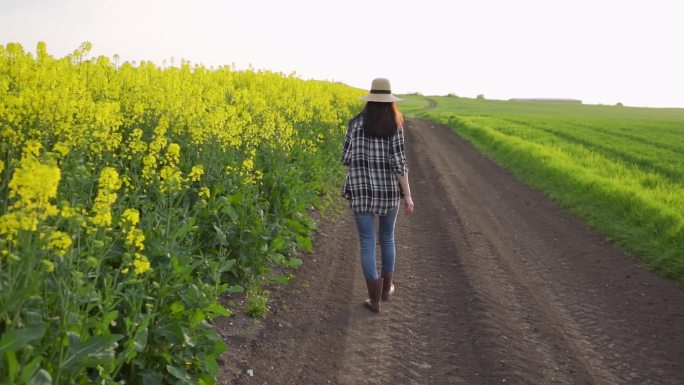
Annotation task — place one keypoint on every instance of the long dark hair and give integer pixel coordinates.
(381, 119)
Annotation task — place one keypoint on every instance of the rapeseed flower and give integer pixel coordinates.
(108, 184)
(248, 172)
(67, 212)
(31, 149)
(126, 182)
(73, 214)
(48, 265)
(136, 147)
(102, 217)
(173, 154)
(141, 264)
(171, 179)
(59, 242)
(247, 165)
(35, 184)
(196, 173)
(205, 193)
(131, 216)
(149, 167)
(9, 226)
(159, 141)
(135, 238)
(61, 148)
(109, 179)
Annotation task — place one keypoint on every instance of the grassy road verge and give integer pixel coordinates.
(620, 169)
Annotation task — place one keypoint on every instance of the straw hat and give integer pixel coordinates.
(380, 92)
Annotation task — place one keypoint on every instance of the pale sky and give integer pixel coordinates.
(600, 51)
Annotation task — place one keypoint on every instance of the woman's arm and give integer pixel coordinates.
(398, 163)
(408, 201)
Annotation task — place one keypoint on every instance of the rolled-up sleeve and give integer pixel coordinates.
(346, 149)
(397, 155)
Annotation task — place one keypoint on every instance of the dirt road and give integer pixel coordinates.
(494, 285)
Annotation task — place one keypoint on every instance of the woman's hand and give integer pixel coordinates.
(406, 191)
(408, 206)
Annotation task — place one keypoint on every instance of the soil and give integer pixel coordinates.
(495, 284)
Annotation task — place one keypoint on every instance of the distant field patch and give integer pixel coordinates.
(621, 169)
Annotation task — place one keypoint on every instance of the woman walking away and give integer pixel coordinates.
(377, 178)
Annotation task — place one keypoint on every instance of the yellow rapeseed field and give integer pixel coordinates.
(133, 196)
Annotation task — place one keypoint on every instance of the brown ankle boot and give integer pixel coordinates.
(374, 294)
(387, 285)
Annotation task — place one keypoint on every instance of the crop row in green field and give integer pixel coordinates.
(621, 169)
(132, 197)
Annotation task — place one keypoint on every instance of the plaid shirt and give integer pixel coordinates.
(373, 164)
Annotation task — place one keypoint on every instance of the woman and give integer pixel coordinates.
(377, 178)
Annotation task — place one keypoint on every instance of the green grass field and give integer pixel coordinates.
(620, 169)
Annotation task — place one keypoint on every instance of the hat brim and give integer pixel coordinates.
(386, 98)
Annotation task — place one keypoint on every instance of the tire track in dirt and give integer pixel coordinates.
(554, 281)
(495, 284)
(506, 325)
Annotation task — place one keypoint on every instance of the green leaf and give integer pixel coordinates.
(294, 263)
(108, 318)
(180, 374)
(278, 243)
(236, 199)
(197, 317)
(236, 289)
(29, 369)
(304, 241)
(141, 339)
(277, 258)
(187, 338)
(225, 265)
(79, 350)
(177, 307)
(309, 223)
(33, 318)
(193, 296)
(221, 235)
(296, 226)
(41, 378)
(231, 212)
(281, 279)
(12, 365)
(14, 340)
(183, 230)
(151, 377)
(171, 331)
(217, 309)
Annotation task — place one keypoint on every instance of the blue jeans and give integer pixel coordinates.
(365, 223)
